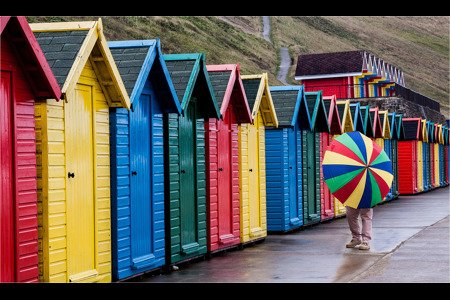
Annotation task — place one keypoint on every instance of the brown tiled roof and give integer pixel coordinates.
(330, 63)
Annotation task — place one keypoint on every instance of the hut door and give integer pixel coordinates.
(6, 182)
(253, 177)
(293, 183)
(309, 176)
(81, 239)
(188, 180)
(141, 183)
(224, 177)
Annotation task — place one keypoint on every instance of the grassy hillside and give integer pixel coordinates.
(417, 45)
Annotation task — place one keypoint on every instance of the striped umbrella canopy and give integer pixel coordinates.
(357, 170)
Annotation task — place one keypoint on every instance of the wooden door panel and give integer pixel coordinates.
(7, 273)
(81, 250)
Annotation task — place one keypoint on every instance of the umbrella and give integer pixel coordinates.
(357, 170)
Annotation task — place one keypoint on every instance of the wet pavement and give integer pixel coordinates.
(410, 243)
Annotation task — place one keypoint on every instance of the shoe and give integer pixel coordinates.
(353, 243)
(364, 246)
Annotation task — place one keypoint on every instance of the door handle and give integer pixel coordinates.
(183, 171)
(133, 173)
(220, 169)
(251, 170)
(71, 175)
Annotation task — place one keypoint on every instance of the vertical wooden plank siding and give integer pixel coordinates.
(253, 217)
(419, 166)
(52, 187)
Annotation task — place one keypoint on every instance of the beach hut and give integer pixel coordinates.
(137, 158)
(447, 153)
(425, 161)
(184, 162)
(284, 197)
(432, 155)
(252, 158)
(345, 116)
(222, 157)
(391, 149)
(377, 127)
(408, 156)
(25, 78)
(311, 157)
(355, 111)
(437, 182)
(445, 134)
(441, 154)
(74, 169)
(367, 121)
(334, 122)
(386, 131)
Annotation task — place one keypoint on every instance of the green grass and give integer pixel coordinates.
(417, 45)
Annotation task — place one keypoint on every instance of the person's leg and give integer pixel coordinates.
(366, 218)
(353, 223)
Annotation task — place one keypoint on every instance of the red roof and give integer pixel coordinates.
(36, 68)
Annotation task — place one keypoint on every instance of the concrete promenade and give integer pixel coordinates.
(410, 243)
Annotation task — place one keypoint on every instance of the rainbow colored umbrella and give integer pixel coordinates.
(357, 170)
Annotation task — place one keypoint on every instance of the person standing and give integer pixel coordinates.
(361, 235)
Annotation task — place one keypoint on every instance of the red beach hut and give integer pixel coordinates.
(327, 200)
(25, 77)
(408, 182)
(222, 157)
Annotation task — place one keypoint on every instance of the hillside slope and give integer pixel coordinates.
(417, 45)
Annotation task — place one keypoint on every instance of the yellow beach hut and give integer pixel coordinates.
(73, 165)
(345, 115)
(252, 162)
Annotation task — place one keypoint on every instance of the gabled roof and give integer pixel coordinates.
(355, 111)
(190, 78)
(334, 120)
(258, 96)
(347, 63)
(139, 60)
(227, 85)
(445, 129)
(377, 129)
(290, 105)
(436, 133)
(367, 119)
(345, 116)
(412, 128)
(430, 131)
(401, 130)
(34, 64)
(424, 130)
(69, 45)
(393, 126)
(317, 111)
(440, 134)
(384, 121)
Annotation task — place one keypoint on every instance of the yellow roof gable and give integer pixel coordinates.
(424, 130)
(346, 117)
(95, 49)
(263, 100)
(385, 127)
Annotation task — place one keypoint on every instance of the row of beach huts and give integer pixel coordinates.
(117, 160)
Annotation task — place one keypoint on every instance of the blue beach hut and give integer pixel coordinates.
(137, 158)
(355, 111)
(391, 148)
(284, 197)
